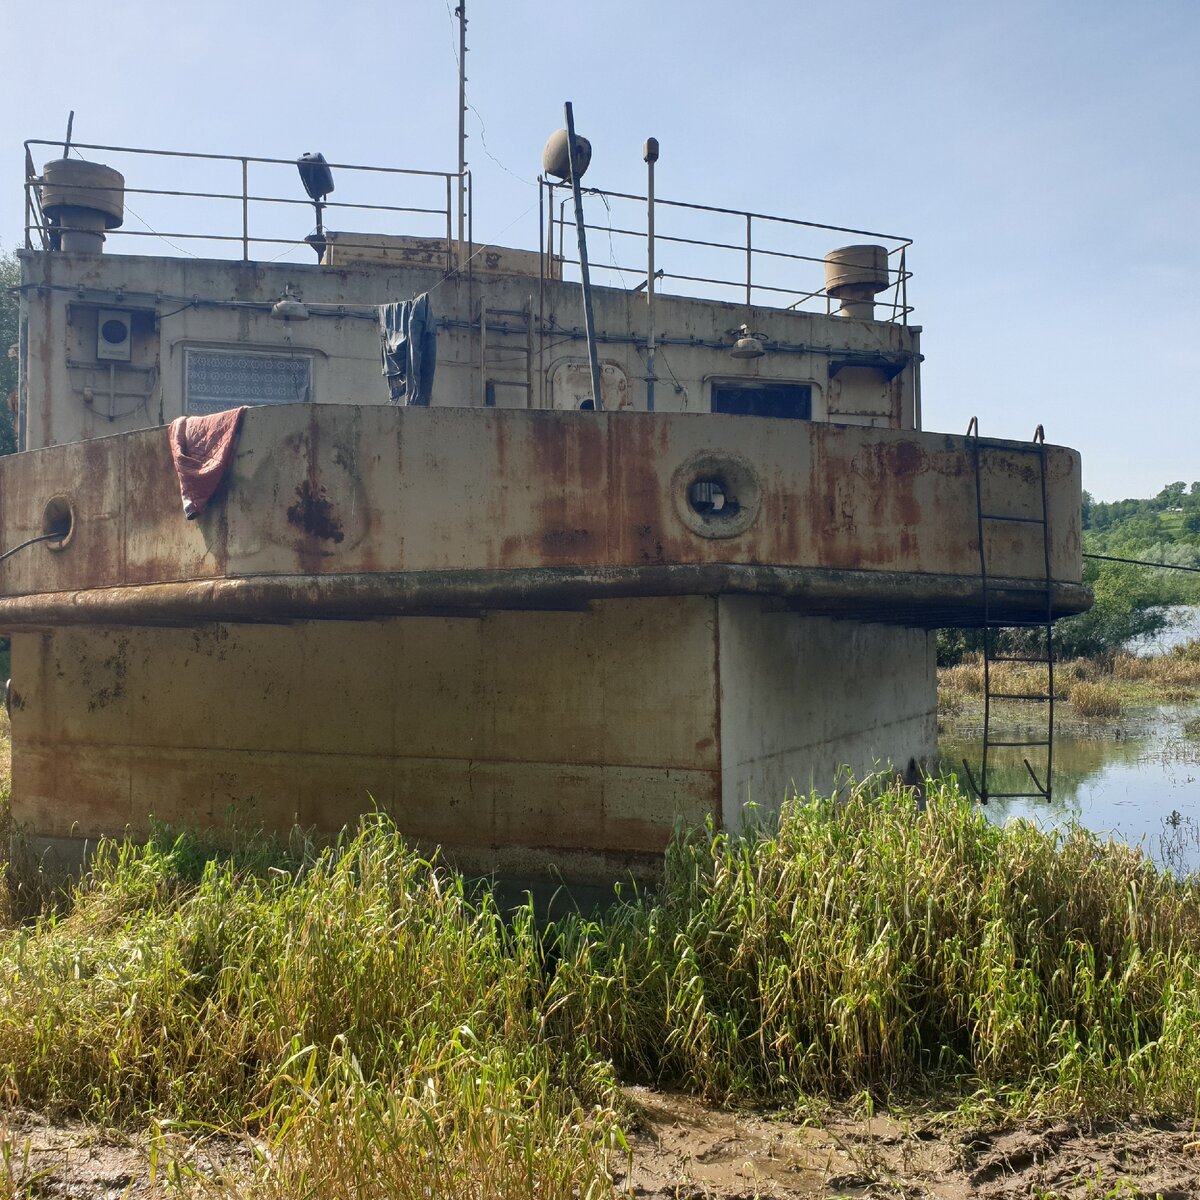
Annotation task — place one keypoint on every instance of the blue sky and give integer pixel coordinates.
(1043, 156)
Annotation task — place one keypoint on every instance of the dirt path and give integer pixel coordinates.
(685, 1150)
(59, 1159)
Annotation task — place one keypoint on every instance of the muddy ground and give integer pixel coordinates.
(685, 1150)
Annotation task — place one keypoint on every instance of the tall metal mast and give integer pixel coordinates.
(461, 13)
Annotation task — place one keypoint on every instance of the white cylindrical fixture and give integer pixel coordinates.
(83, 199)
(853, 274)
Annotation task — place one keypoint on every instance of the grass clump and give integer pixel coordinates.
(1121, 679)
(361, 996)
(1095, 700)
(386, 1031)
(863, 948)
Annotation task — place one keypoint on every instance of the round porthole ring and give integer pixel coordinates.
(738, 479)
(59, 517)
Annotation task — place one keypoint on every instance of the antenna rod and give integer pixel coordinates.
(650, 155)
(461, 13)
(589, 324)
(67, 142)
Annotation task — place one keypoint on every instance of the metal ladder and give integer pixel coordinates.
(494, 324)
(994, 648)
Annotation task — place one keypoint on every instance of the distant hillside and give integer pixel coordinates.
(1164, 528)
(1130, 601)
(1171, 516)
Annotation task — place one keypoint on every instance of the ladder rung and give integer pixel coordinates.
(1020, 696)
(1013, 658)
(1030, 624)
(1016, 795)
(1017, 520)
(1028, 589)
(1010, 744)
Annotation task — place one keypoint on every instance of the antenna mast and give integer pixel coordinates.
(461, 13)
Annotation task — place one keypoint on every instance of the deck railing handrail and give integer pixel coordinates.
(744, 279)
(37, 224)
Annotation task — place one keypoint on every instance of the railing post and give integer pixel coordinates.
(749, 261)
(650, 155)
(450, 231)
(245, 210)
(29, 174)
(542, 255)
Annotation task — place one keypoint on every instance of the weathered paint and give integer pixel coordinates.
(67, 394)
(319, 494)
(508, 627)
(528, 743)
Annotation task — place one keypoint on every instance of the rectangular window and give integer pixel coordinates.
(791, 401)
(218, 379)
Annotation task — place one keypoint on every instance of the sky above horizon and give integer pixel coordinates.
(1042, 156)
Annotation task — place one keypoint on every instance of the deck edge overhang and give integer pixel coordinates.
(885, 597)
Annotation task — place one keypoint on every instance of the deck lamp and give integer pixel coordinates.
(318, 183)
(747, 344)
(289, 307)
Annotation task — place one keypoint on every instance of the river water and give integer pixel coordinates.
(1136, 778)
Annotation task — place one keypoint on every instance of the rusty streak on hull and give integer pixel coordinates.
(411, 508)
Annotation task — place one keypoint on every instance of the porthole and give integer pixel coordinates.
(717, 495)
(58, 518)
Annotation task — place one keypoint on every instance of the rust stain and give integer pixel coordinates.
(559, 490)
(638, 452)
(116, 667)
(313, 513)
(565, 543)
(211, 641)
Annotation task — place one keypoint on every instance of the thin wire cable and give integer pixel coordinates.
(483, 142)
(1140, 562)
(176, 311)
(42, 537)
(479, 115)
(612, 253)
(128, 209)
(484, 246)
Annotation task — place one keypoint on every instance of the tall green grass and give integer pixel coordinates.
(385, 1029)
(356, 1006)
(864, 947)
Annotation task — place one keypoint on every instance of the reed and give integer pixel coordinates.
(384, 1029)
(358, 996)
(1100, 700)
(863, 947)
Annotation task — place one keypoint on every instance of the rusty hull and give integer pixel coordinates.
(344, 511)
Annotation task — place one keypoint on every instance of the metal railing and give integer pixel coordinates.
(777, 261)
(249, 225)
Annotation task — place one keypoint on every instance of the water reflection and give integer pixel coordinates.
(1137, 778)
(1183, 627)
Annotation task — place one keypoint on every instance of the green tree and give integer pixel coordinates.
(1127, 603)
(1172, 495)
